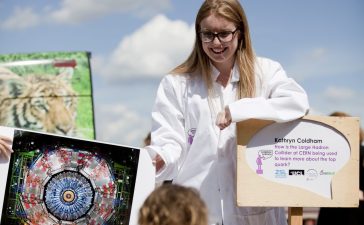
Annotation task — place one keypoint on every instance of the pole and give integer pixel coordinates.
(295, 215)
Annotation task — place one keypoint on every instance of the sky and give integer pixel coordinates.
(134, 43)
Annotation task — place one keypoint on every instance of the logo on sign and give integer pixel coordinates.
(280, 174)
(311, 174)
(296, 172)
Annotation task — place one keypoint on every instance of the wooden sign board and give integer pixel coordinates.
(309, 162)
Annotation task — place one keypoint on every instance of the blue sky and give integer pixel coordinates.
(135, 42)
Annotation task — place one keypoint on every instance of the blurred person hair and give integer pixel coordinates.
(171, 204)
(147, 139)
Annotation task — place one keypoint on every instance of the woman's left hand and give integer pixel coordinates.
(223, 119)
(158, 162)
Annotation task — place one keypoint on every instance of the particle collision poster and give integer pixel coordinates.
(54, 179)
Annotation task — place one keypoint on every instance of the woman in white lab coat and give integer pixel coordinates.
(193, 138)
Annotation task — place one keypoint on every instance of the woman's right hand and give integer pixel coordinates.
(223, 119)
(5, 147)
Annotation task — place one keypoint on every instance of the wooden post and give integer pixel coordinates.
(295, 216)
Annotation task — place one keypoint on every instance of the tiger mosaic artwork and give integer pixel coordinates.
(37, 102)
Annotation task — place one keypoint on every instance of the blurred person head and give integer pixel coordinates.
(309, 221)
(146, 140)
(172, 204)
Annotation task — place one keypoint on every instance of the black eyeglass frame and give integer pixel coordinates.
(216, 35)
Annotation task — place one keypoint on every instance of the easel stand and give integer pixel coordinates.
(295, 216)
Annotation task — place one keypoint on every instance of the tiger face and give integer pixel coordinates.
(38, 102)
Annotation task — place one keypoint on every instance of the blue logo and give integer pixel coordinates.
(280, 174)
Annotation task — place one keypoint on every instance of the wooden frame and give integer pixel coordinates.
(253, 190)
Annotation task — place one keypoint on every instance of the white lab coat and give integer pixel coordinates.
(197, 154)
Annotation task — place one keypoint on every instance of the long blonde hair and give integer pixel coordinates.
(198, 61)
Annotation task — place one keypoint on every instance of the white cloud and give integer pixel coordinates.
(75, 12)
(22, 18)
(338, 98)
(153, 50)
(82, 10)
(118, 124)
(334, 93)
(317, 54)
(322, 62)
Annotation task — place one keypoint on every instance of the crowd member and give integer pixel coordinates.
(347, 216)
(309, 221)
(146, 140)
(172, 204)
(193, 137)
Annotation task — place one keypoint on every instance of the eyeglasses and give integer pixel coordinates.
(224, 36)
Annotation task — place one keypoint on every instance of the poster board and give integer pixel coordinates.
(327, 174)
(48, 92)
(52, 179)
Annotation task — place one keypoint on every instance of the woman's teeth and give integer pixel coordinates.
(218, 51)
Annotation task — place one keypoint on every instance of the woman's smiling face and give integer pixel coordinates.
(220, 53)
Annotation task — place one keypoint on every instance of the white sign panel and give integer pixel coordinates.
(308, 162)
(305, 156)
